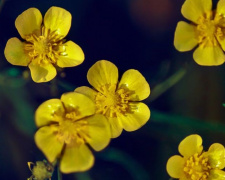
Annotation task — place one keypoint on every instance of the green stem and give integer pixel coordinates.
(167, 84)
(59, 174)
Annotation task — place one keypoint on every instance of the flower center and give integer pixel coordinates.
(209, 31)
(112, 102)
(45, 48)
(197, 167)
(72, 131)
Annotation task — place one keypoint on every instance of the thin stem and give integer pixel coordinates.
(167, 84)
(59, 174)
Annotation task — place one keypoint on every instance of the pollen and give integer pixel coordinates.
(112, 102)
(209, 30)
(72, 131)
(197, 167)
(46, 47)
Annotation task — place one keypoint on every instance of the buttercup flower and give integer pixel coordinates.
(44, 47)
(66, 126)
(118, 101)
(206, 30)
(195, 163)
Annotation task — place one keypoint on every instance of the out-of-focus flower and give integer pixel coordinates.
(207, 30)
(44, 47)
(118, 101)
(41, 170)
(195, 163)
(67, 125)
(151, 16)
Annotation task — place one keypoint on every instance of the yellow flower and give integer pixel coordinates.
(67, 125)
(206, 30)
(118, 101)
(44, 47)
(195, 163)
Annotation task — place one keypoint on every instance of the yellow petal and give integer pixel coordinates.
(89, 92)
(83, 105)
(139, 115)
(185, 37)
(175, 166)
(216, 174)
(184, 177)
(98, 131)
(47, 142)
(46, 112)
(76, 158)
(190, 145)
(216, 155)
(15, 54)
(220, 10)
(209, 56)
(42, 72)
(193, 9)
(58, 20)
(29, 22)
(73, 55)
(136, 83)
(221, 41)
(115, 126)
(101, 73)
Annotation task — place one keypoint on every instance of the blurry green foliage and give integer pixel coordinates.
(12, 89)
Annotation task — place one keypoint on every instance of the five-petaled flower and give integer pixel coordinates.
(195, 163)
(67, 125)
(44, 47)
(206, 30)
(118, 101)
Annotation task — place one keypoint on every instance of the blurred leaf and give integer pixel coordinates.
(126, 161)
(14, 72)
(83, 176)
(184, 122)
(12, 77)
(65, 85)
(23, 117)
(20, 110)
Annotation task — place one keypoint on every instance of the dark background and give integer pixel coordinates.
(186, 98)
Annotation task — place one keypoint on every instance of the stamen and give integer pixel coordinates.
(209, 30)
(112, 103)
(46, 48)
(72, 131)
(71, 115)
(197, 167)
